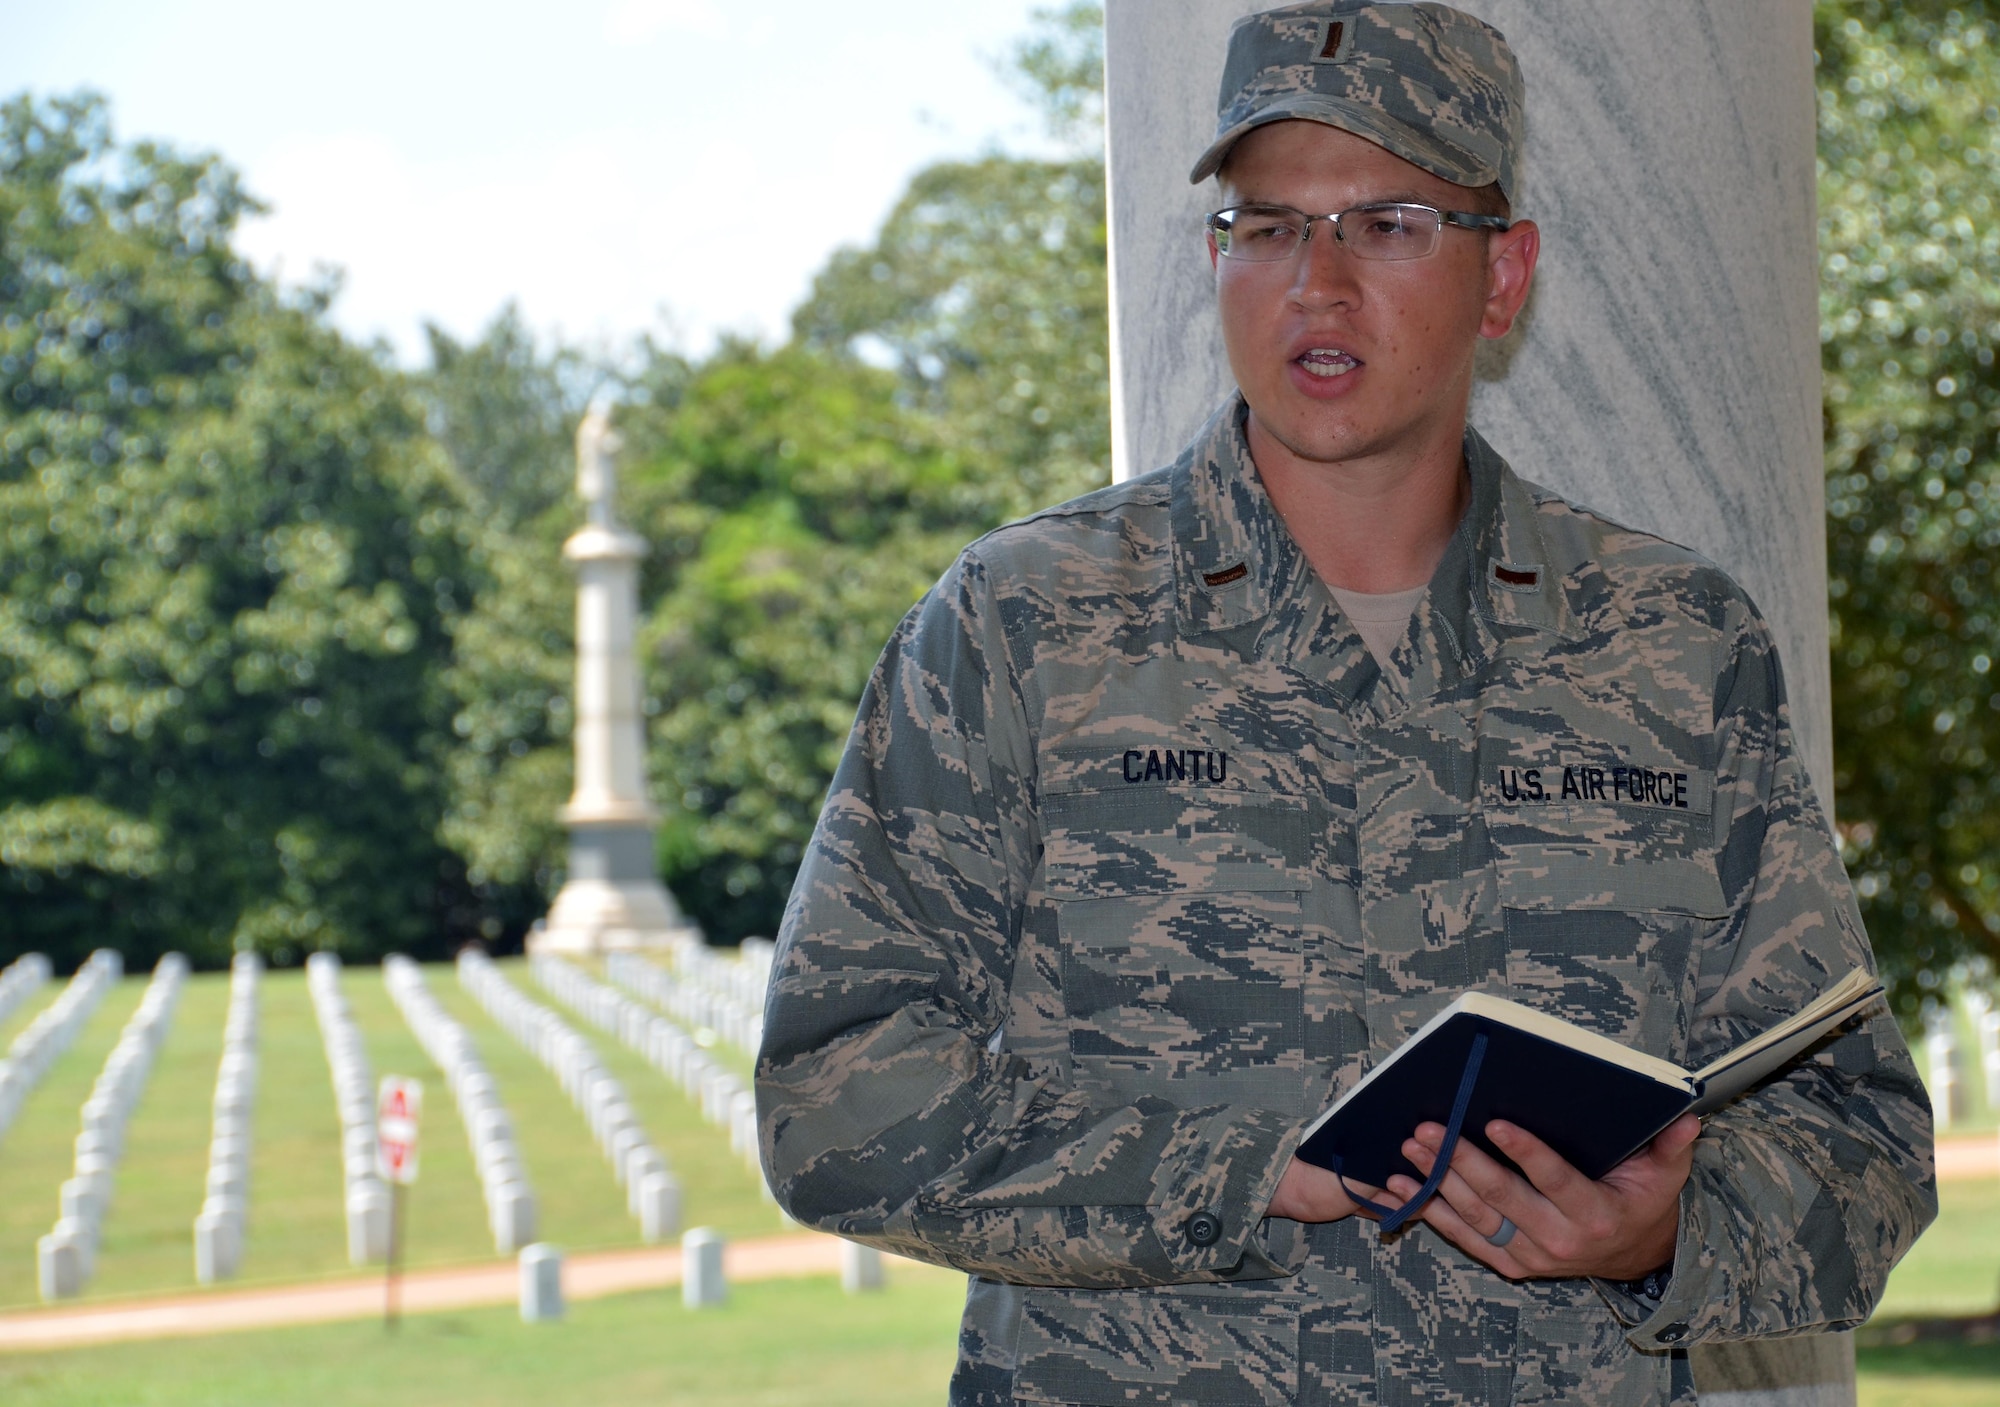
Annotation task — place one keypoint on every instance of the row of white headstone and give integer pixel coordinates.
(682, 1056)
(510, 1201)
(67, 1256)
(366, 1198)
(1950, 1096)
(52, 1030)
(722, 997)
(709, 989)
(652, 1193)
(651, 1036)
(225, 1209)
(21, 979)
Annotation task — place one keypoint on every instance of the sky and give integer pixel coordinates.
(451, 156)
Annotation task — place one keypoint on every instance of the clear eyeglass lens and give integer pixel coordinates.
(1259, 232)
(1390, 231)
(1264, 233)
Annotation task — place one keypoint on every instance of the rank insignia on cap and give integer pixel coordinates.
(1335, 48)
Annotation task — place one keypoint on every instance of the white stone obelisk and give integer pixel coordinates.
(613, 898)
(1665, 371)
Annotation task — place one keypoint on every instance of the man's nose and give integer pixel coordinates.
(1324, 273)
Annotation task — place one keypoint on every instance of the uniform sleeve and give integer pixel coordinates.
(1807, 1191)
(889, 1111)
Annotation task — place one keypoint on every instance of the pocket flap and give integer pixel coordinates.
(1573, 863)
(1109, 844)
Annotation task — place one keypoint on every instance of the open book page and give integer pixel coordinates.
(1755, 1060)
(1554, 1028)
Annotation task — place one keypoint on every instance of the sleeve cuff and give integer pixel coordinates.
(1690, 1287)
(1209, 1207)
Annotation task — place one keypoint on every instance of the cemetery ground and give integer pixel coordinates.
(296, 1210)
(1936, 1340)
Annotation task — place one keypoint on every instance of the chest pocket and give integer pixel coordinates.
(1178, 917)
(1603, 925)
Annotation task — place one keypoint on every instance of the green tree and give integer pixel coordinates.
(986, 292)
(1910, 315)
(797, 508)
(985, 289)
(229, 564)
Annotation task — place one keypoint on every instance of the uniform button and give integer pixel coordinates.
(1204, 1228)
(1673, 1333)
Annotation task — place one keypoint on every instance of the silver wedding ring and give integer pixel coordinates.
(1503, 1234)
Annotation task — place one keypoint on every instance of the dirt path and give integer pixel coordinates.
(1968, 1156)
(585, 1276)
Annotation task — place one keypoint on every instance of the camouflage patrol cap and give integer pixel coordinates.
(1429, 83)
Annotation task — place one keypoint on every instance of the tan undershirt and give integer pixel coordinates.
(1382, 620)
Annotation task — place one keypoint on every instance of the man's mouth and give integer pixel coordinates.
(1327, 362)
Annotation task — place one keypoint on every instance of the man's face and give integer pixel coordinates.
(1344, 360)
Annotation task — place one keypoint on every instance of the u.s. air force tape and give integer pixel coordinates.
(1620, 783)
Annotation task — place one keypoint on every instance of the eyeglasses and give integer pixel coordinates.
(1264, 234)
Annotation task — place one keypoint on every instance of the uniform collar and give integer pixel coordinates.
(1235, 563)
(1234, 559)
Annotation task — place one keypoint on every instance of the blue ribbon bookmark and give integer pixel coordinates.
(1394, 1217)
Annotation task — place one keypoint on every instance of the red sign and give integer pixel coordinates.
(397, 1109)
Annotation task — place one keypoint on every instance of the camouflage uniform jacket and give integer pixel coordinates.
(1137, 859)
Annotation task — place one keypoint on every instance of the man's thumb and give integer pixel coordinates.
(1676, 1138)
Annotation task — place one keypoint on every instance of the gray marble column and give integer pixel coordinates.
(1666, 370)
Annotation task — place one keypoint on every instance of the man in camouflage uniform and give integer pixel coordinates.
(1172, 811)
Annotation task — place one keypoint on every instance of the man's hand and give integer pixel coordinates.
(1307, 1193)
(1620, 1228)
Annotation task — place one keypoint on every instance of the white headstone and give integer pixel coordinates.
(1947, 1082)
(81, 1200)
(702, 1283)
(860, 1268)
(541, 1284)
(59, 1263)
(659, 1207)
(218, 1245)
(367, 1222)
(513, 1213)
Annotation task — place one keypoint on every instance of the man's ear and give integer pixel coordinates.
(1510, 271)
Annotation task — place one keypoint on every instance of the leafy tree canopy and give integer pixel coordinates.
(228, 557)
(1909, 138)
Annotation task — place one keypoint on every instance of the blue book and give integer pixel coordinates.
(1592, 1100)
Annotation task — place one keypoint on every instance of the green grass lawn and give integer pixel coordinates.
(1955, 1266)
(298, 1225)
(1953, 1270)
(776, 1343)
(1929, 1375)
